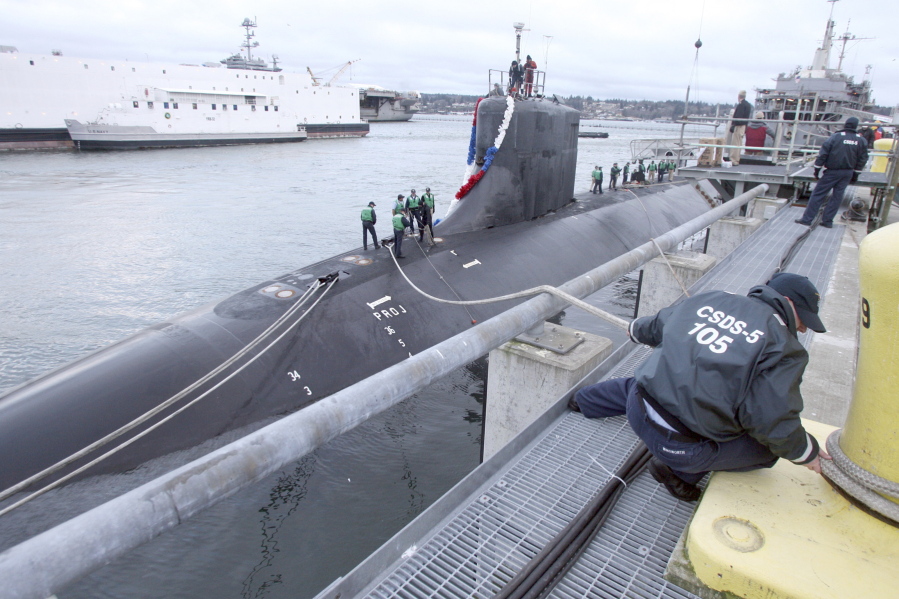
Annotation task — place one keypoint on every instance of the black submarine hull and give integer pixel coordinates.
(369, 319)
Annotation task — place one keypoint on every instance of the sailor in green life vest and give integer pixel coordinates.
(427, 213)
(640, 172)
(627, 169)
(399, 230)
(597, 179)
(613, 177)
(369, 218)
(413, 210)
(663, 168)
(399, 206)
(652, 171)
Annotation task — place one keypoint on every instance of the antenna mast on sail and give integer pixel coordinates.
(519, 27)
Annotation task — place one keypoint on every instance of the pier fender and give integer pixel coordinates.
(871, 435)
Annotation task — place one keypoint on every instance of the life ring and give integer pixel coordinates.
(168, 116)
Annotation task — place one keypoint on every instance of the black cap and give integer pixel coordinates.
(427, 189)
(371, 203)
(804, 296)
(851, 123)
(400, 197)
(413, 191)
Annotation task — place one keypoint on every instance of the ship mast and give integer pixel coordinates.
(822, 54)
(249, 45)
(519, 27)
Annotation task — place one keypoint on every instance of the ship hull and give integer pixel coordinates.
(39, 92)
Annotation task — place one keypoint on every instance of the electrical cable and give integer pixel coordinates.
(147, 415)
(551, 563)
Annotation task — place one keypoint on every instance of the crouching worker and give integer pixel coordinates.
(721, 389)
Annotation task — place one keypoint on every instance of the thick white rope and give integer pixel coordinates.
(619, 322)
(865, 486)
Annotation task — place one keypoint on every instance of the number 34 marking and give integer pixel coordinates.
(294, 377)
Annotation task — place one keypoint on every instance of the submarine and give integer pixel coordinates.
(288, 342)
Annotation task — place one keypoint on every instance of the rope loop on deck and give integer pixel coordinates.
(865, 486)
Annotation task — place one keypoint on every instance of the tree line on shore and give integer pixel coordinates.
(638, 109)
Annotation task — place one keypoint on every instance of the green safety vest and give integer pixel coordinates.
(366, 213)
(597, 175)
(399, 206)
(428, 199)
(398, 222)
(652, 167)
(413, 201)
(615, 171)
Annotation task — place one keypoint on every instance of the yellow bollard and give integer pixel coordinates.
(871, 435)
(879, 164)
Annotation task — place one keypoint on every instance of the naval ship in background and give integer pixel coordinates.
(819, 97)
(117, 103)
(381, 105)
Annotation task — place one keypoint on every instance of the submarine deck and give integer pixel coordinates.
(474, 539)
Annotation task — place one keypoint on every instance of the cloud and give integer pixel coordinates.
(603, 49)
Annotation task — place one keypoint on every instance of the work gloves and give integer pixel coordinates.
(854, 178)
(817, 172)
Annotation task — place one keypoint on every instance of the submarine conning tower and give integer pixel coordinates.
(532, 172)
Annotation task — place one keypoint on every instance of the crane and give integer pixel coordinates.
(315, 80)
(341, 71)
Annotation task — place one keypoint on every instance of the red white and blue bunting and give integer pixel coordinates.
(472, 177)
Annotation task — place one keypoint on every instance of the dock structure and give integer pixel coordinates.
(768, 533)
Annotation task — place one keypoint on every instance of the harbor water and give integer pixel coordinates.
(97, 246)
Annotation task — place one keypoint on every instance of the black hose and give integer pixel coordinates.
(560, 568)
(542, 571)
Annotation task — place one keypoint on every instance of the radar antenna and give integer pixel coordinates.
(249, 44)
(846, 38)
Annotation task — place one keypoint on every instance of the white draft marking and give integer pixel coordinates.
(470, 264)
(372, 305)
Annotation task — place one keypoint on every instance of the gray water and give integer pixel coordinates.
(97, 246)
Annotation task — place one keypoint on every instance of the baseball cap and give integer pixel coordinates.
(400, 197)
(804, 296)
(851, 123)
(371, 204)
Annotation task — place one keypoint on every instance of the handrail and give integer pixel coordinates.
(78, 546)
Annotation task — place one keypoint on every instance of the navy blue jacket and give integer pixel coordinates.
(727, 365)
(845, 149)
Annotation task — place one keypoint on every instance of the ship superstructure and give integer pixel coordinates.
(821, 95)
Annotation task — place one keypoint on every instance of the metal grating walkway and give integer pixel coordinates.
(474, 540)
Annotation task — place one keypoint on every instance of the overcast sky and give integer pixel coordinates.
(633, 50)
